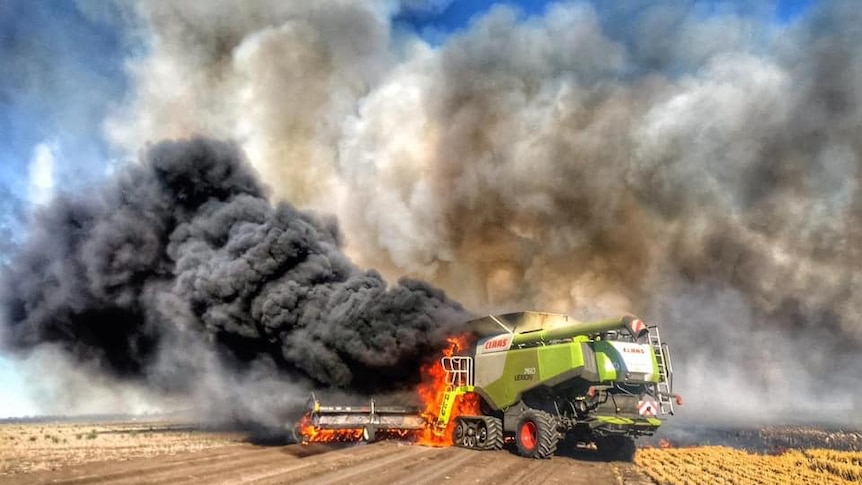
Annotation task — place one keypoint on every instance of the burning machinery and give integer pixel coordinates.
(368, 420)
(538, 378)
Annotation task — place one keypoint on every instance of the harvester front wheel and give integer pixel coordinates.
(537, 435)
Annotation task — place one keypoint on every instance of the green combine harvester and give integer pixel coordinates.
(544, 379)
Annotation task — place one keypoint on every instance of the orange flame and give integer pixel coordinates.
(664, 444)
(432, 390)
(312, 434)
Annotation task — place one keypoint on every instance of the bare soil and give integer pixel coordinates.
(41, 446)
(383, 462)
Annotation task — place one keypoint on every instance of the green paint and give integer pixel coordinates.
(531, 367)
(607, 361)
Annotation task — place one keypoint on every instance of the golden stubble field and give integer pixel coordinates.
(722, 465)
(787, 455)
(33, 447)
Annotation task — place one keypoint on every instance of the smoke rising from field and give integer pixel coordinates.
(697, 166)
(180, 273)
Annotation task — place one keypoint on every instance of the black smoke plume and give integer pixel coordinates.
(181, 259)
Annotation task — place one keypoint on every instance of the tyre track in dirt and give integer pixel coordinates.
(385, 462)
(117, 471)
(287, 467)
(345, 465)
(370, 470)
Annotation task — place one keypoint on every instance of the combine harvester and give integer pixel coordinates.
(538, 378)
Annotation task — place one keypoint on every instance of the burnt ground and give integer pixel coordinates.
(763, 439)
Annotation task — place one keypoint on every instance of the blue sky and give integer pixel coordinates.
(63, 72)
(436, 24)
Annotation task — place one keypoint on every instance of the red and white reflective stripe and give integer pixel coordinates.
(647, 408)
(638, 326)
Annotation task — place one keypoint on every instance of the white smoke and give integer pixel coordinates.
(277, 76)
(42, 172)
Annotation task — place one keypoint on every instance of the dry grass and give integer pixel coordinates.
(44, 446)
(722, 465)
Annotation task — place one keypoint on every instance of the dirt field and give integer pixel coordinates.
(155, 453)
(28, 447)
(384, 462)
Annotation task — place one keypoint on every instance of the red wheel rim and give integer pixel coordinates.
(528, 435)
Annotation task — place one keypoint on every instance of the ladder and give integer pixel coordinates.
(664, 388)
(459, 381)
(458, 369)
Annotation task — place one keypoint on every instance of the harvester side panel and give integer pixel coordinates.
(502, 378)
